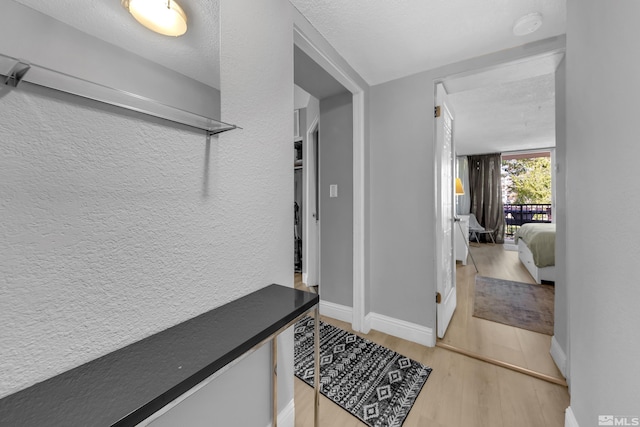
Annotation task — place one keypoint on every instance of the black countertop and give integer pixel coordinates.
(128, 385)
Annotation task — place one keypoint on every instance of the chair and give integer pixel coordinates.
(476, 229)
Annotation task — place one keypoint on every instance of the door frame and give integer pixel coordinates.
(312, 223)
(484, 64)
(310, 42)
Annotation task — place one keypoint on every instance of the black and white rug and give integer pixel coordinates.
(372, 382)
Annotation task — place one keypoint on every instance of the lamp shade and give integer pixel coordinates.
(162, 16)
(459, 187)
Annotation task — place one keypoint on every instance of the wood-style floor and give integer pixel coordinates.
(527, 349)
(461, 391)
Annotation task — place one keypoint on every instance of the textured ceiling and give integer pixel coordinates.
(195, 54)
(512, 116)
(385, 40)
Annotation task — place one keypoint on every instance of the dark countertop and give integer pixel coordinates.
(128, 385)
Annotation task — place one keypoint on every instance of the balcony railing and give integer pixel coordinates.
(517, 214)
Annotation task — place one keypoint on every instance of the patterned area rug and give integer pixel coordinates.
(371, 382)
(514, 303)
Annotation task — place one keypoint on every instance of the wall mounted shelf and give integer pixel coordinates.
(14, 71)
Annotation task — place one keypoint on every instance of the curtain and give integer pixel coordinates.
(485, 190)
(463, 205)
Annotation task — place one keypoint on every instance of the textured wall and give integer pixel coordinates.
(115, 226)
(256, 76)
(50, 43)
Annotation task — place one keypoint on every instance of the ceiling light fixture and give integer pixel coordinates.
(162, 16)
(527, 24)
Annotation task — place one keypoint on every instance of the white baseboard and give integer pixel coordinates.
(286, 417)
(570, 419)
(402, 329)
(305, 277)
(558, 356)
(389, 325)
(336, 311)
(366, 326)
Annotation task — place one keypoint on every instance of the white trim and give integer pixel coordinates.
(286, 417)
(366, 326)
(322, 58)
(570, 419)
(402, 329)
(336, 311)
(558, 356)
(310, 255)
(358, 213)
(315, 52)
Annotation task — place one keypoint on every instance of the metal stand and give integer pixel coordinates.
(316, 373)
(457, 220)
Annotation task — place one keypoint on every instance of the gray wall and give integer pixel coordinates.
(602, 205)
(402, 186)
(402, 194)
(561, 304)
(216, 404)
(336, 214)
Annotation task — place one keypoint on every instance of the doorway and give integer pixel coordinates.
(342, 230)
(496, 341)
(306, 191)
(306, 173)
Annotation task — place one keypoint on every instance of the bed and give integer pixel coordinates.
(536, 250)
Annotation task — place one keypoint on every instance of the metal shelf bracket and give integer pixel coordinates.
(16, 74)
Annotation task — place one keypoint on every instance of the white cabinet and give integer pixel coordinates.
(462, 239)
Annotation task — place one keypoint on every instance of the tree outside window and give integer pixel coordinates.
(527, 181)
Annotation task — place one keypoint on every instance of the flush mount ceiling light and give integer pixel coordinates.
(162, 16)
(527, 24)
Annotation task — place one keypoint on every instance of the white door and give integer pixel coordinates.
(445, 257)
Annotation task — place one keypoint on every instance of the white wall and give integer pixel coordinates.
(115, 226)
(602, 201)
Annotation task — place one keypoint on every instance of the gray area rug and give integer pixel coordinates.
(373, 383)
(515, 303)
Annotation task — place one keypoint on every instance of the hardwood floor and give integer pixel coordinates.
(520, 347)
(463, 391)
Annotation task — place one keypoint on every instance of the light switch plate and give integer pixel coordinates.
(333, 190)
